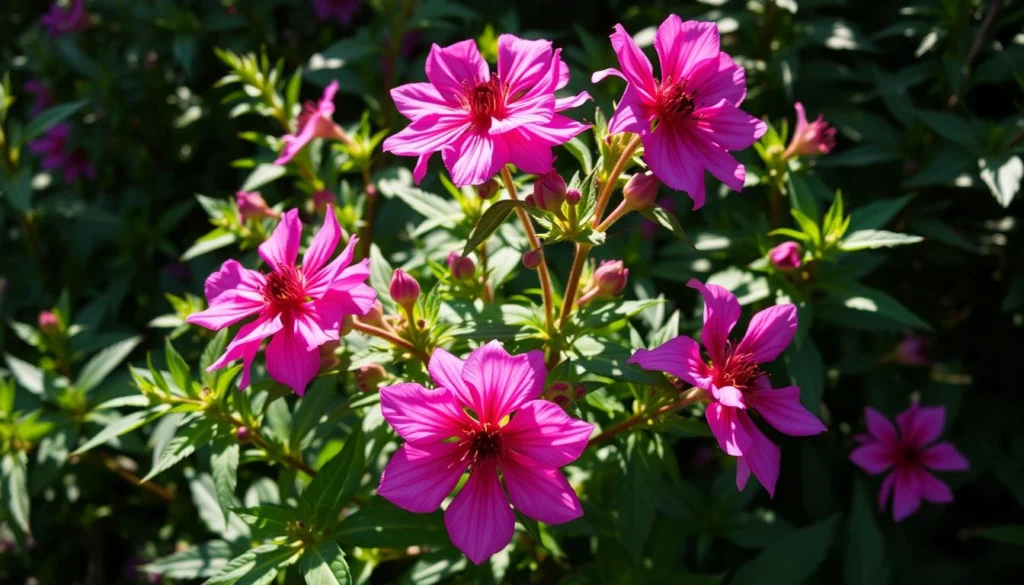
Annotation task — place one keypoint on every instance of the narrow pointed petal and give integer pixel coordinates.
(282, 248)
(880, 428)
(921, 425)
(874, 458)
(728, 126)
(885, 491)
(419, 415)
(419, 477)
(503, 382)
(540, 493)
(290, 363)
(245, 351)
(568, 103)
(742, 473)
(523, 64)
(323, 245)
(318, 282)
(682, 45)
(636, 67)
(427, 135)
(544, 433)
(718, 162)
(230, 308)
(446, 371)
(944, 457)
(770, 333)
(675, 162)
(761, 454)
(559, 130)
(415, 100)
(599, 76)
(449, 67)
(721, 312)
(932, 489)
(480, 520)
(782, 409)
(232, 276)
(629, 116)
(313, 330)
(725, 425)
(679, 357)
(906, 497)
(474, 159)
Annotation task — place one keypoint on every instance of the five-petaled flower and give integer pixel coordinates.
(484, 415)
(736, 383)
(479, 121)
(299, 307)
(690, 120)
(315, 121)
(909, 456)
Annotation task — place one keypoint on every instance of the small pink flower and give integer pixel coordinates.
(461, 267)
(404, 289)
(608, 282)
(738, 386)
(484, 415)
(909, 457)
(52, 146)
(49, 323)
(60, 21)
(251, 205)
(299, 308)
(341, 10)
(315, 121)
(810, 139)
(641, 190)
(43, 99)
(689, 120)
(787, 256)
(479, 120)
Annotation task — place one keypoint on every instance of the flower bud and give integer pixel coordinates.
(532, 259)
(49, 323)
(404, 289)
(253, 206)
(573, 196)
(787, 256)
(810, 139)
(641, 190)
(549, 191)
(370, 376)
(462, 267)
(323, 198)
(561, 400)
(530, 201)
(243, 434)
(610, 278)
(579, 391)
(375, 316)
(488, 189)
(346, 326)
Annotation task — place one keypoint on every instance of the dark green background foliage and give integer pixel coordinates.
(926, 98)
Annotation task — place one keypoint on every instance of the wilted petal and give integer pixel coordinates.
(419, 477)
(542, 431)
(679, 357)
(540, 493)
(721, 312)
(480, 520)
(944, 457)
(419, 415)
(282, 248)
(501, 382)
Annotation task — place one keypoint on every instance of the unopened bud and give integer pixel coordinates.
(530, 201)
(579, 391)
(572, 197)
(375, 316)
(243, 434)
(610, 277)
(370, 376)
(462, 267)
(532, 259)
(346, 325)
(404, 289)
(787, 256)
(549, 191)
(488, 189)
(251, 205)
(641, 190)
(561, 400)
(49, 323)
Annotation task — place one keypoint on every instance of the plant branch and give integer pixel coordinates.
(392, 339)
(685, 399)
(531, 234)
(573, 284)
(613, 178)
(368, 216)
(972, 53)
(111, 465)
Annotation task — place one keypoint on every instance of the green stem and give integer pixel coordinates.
(644, 416)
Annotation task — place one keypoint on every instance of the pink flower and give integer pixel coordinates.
(60, 21)
(694, 109)
(461, 267)
(252, 205)
(49, 323)
(787, 256)
(42, 95)
(736, 383)
(299, 308)
(908, 455)
(315, 121)
(479, 120)
(341, 10)
(484, 415)
(52, 146)
(810, 139)
(608, 282)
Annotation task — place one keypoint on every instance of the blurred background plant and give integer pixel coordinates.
(137, 149)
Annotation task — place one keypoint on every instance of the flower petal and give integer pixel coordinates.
(446, 371)
(529, 154)
(479, 520)
(290, 362)
(932, 489)
(629, 115)
(419, 415)
(718, 162)
(761, 454)
(326, 277)
(230, 308)
(920, 425)
(679, 357)
(246, 351)
(502, 383)
(944, 457)
(572, 102)
(880, 428)
(314, 330)
(682, 45)
(769, 334)
(729, 396)
(419, 477)
(742, 473)
(559, 130)
(722, 79)
(323, 245)
(599, 76)
(636, 67)
(523, 64)
(449, 67)
(231, 276)
(540, 493)
(675, 161)
(724, 423)
(426, 135)
(474, 158)
(782, 409)
(282, 248)
(721, 312)
(544, 433)
(728, 126)
(415, 100)
(906, 494)
(885, 491)
(874, 458)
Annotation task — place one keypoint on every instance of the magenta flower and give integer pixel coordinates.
(77, 166)
(690, 120)
(315, 121)
(52, 147)
(299, 307)
(909, 457)
(43, 99)
(787, 256)
(485, 416)
(59, 20)
(736, 383)
(810, 139)
(479, 120)
(341, 10)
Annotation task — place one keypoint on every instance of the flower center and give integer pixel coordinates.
(675, 103)
(485, 101)
(740, 372)
(285, 288)
(909, 456)
(485, 444)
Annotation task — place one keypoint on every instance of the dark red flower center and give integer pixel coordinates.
(675, 101)
(486, 101)
(285, 288)
(485, 444)
(909, 456)
(738, 371)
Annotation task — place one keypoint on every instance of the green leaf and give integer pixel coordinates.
(263, 174)
(104, 362)
(808, 226)
(181, 446)
(383, 525)
(123, 425)
(14, 489)
(807, 371)
(224, 469)
(427, 204)
(871, 239)
(635, 489)
(667, 220)
(604, 314)
(952, 128)
(258, 566)
(204, 497)
(581, 152)
(789, 561)
(213, 240)
(211, 353)
(876, 215)
(864, 557)
(1002, 175)
(335, 483)
(858, 298)
(1006, 534)
(313, 406)
(28, 376)
(492, 219)
(324, 564)
(801, 197)
(180, 372)
(18, 189)
(201, 561)
(48, 119)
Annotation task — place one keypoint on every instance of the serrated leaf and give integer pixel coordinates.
(789, 561)
(335, 483)
(492, 219)
(383, 525)
(123, 425)
(324, 564)
(871, 239)
(224, 469)
(200, 561)
(100, 365)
